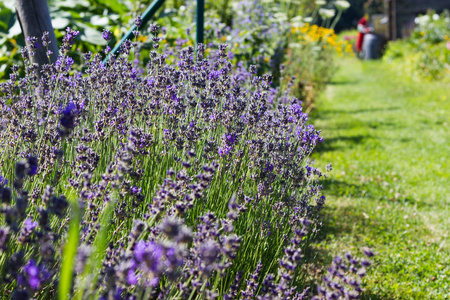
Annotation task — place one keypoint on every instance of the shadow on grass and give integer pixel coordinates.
(343, 82)
(361, 111)
(369, 295)
(342, 225)
(330, 144)
(341, 188)
(329, 114)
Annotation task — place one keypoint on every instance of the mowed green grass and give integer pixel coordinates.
(388, 138)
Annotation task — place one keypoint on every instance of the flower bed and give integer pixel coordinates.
(175, 180)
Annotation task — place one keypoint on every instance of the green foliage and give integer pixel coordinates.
(314, 50)
(10, 39)
(426, 54)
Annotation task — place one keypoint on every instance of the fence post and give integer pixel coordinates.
(34, 19)
(200, 20)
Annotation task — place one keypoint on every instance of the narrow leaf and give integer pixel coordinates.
(70, 251)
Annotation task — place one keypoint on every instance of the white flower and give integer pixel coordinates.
(327, 13)
(321, 2)
(422, 20)
(342, 4)
(435, 17)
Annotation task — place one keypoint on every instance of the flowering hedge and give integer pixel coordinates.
(314, 50)
(426, 53)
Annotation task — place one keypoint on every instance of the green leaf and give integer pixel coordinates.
(5, 16)
(15, 30)
(60, 23)
(100, 244)
(99, 21)
(90, 35)
(70, 251)
(114, 5)
(73, 3)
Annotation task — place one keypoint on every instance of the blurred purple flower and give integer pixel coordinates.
(107, 35)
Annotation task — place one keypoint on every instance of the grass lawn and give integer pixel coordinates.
(388, 138)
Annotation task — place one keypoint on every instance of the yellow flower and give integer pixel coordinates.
(142, 38)
(223, 39)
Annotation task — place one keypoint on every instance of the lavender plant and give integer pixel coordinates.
(184, 179)
(343, 280)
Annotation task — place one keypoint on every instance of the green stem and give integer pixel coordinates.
(338, 17)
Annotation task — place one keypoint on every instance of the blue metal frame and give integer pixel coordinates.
(150, 12)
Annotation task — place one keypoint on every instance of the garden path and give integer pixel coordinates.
(388, 138)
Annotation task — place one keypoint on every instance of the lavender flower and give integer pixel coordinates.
(33, 42)
(368, 252)
(32, 273)
(27, 230)
(150, 256)
(107, 35)
(5, 194)
(138, 21)
(154, 28)
(45, 38)
(4, 236)
(69, 40)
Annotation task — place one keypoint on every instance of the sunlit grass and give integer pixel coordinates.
(388, 139)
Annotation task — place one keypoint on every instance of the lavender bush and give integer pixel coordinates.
(189, 178)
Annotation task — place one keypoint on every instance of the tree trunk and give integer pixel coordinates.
(34, 19)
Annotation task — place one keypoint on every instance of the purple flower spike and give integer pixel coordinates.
(67, 119)
(368, 252)
(69, 39)
(132, 278)
(149, 255)
(107, 35)
(365, 263)
(29, 225)
(138, 21)
(32, 273)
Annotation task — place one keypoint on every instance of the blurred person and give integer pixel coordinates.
(363, 28)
